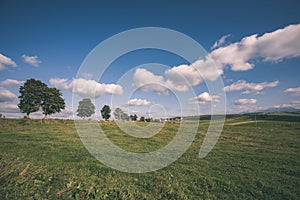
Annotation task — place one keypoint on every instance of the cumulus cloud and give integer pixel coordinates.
(146, 80)
(220, 42)
(138, 102)
(178, 78)
(6, 95)
(293, 91)
(204, 98)
(245, 101)
(274, 46)
(32, 60)
(5, 61)
(86, 88)
(249, 87)
(11, 82)
(60, 83)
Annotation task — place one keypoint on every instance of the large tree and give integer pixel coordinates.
(85, 108)
(32, 95)
(105, 112)
(52, 102)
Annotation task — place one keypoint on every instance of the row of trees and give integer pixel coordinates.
(35, 95)
(86, 108)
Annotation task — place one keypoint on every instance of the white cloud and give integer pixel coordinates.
(179, 78)
(9, 108)
(191, 75)
(249, 87)
(138, 102)
(294, 91)
(32, 60)
(60, 83)
(204, 98)
(86, 88)
(245, 101)
(6, 95)
(220, 42)
(146, 80)
(274, 46)
(11, 82)
(4, 61)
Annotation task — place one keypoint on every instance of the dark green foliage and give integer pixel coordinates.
(52, 102)
(105, 112)
(85, 108)
(142, 119)
(133, 117)
(36, 94)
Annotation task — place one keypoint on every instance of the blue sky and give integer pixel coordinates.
(49, 40)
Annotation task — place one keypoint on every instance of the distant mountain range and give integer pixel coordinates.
(286, 109)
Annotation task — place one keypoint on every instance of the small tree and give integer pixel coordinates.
(142, 119)
(133, 117)
(118, 113)
(32, 95)
(85, 108)
(105, 112)
(52, 102)
(125, 117)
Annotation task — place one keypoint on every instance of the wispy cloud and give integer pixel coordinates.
(293, 91)
(32, 60)
(86, 88)
(138, 102)
(245, 101)
(250, 87)
(6, 61)
(220, 42)
(11, 82)
(6, 95)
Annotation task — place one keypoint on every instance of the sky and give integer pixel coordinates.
(252, 47)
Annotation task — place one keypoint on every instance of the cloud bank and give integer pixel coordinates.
(11, 82)
(86, 88)
(6, 95)
(245, 101)
(293, 91)
(249, 87)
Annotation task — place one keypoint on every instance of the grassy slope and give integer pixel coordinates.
(250, 161)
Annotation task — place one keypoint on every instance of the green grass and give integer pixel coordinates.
(250, 161)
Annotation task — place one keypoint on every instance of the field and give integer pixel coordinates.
(256, 157)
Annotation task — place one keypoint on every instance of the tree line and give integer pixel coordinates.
(36, 95)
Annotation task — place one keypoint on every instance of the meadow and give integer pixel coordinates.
(256, 157)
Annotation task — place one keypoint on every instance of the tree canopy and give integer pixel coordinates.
(36, 94)
(52, 102)
(85, 108)
(105, 112)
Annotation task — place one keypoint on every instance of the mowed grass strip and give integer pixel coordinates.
(250, 161)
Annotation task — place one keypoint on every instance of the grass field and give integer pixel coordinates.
(255, 160)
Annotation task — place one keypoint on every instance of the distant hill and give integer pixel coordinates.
(286, 110)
